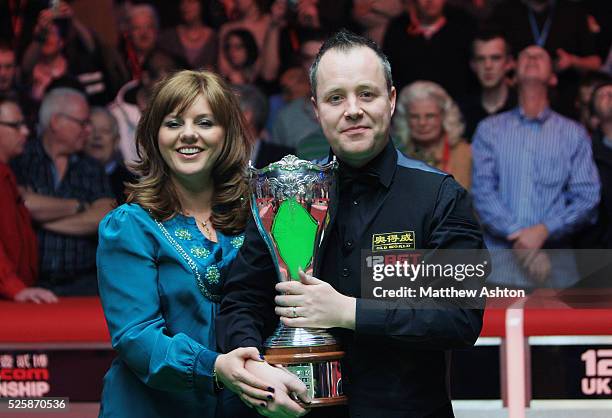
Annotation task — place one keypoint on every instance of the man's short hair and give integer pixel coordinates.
(251, 98)
(142, 9)
(597, 87)
(345, 40)
(486, 35)
(108, 114)
(54, 102)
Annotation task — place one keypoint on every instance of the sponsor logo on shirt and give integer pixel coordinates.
(404, 240)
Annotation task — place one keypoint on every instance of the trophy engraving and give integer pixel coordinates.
(290, 201)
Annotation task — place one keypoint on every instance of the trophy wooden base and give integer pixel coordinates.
(318, 367)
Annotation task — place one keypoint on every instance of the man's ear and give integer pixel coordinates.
(594, 121)
(510, 63)
(552, 80)
(393, 98)
(313, 101)
(53, 122)
(473, 65)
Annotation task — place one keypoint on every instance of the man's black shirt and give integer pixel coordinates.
(396, 359)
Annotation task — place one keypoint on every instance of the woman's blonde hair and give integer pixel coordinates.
(452, 121)
(154, 191)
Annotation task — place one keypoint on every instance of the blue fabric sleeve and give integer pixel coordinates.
(498, 219)
(127, 276)
(581, 192)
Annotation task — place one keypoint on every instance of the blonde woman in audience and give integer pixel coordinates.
(428, 123)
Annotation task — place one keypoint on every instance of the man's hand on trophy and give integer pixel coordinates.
(313, 303)
(287, 390)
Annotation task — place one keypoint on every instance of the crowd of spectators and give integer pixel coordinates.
(512, 97)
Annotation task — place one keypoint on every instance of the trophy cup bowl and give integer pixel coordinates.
(290, 201)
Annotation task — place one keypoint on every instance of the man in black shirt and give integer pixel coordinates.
(396, 355)
(561, 28)
(491, 61)
(430, 41)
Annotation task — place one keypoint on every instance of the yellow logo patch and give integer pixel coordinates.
(393, 241)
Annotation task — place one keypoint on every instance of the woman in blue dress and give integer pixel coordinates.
(163, 255)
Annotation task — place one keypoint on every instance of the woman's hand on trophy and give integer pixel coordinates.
(313, 303)
(287, 390)
(231, 371)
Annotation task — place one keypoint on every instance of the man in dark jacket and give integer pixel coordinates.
(396, 355)
(602, 154)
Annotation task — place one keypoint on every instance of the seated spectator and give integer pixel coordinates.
(102, 146)
(254, 106)
(491, 61)
(18, 247)
(17, 22)
(64, 47)
(241, 52)
(297, 120)
(430, 41)
(50, 63)
(430, 128)
(602, 152)
(293, 82)
(139, 37)
(584, 103)
(560, 27)
(374, 16)
(192, 41)
(133, 97)
(253, 19)
(67, 193)
(9, 85)
(8, 69)
(293, 23)
(534, 182)
(293, 85)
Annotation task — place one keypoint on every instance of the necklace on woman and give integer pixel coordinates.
(205, 224)
(206, 229)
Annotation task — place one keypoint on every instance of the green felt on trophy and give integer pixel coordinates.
(294, 231)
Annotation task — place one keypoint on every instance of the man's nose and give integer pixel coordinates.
(353, 109)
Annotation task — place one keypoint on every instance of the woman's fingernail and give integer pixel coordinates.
(261, 356)
(270, 389)
(263, 404)
(270, 397)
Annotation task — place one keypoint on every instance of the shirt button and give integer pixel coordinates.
(355, 202)
(345, 272)
(349, 243)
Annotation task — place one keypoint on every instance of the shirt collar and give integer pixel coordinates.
(381, 167)
(40, 150)
(541, 118)
(110, 167)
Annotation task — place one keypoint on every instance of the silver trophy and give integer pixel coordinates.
(290, 202)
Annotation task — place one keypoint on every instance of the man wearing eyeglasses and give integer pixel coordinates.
(18, 249)
(66, 192)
